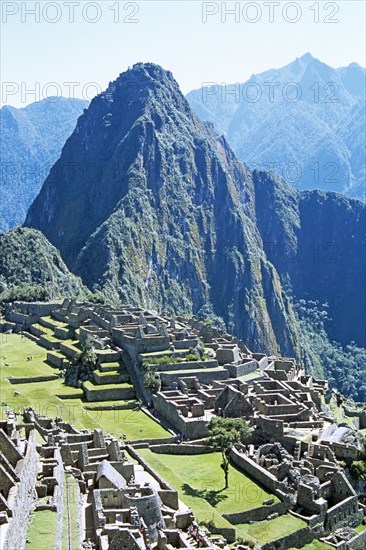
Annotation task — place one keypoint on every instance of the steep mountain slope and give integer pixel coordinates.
(168, 218)
(316, 241)
(31, 267)
(31, 140)
(304, 121)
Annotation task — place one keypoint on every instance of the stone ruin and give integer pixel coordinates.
(296, 449)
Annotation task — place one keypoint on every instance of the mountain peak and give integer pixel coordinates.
(145, 75)
(306, 58)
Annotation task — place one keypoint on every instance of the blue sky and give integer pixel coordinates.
(171, 33)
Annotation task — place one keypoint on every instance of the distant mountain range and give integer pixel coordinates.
(31, 140)
(305, 121)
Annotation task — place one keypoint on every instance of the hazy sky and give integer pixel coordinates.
(84, 42)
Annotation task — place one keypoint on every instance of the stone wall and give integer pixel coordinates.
(293, 540)
(259, 474)
(31, 379)
(130, 359)
(246, 366)
(344, 514)
(257, 514)
(228, 533)
(111, 394)
(58, 496)
(188, 365)
(358, 542)
(24, 498)
(181, 449)
(192, 429)
(26, 313)
(205, 376)
(342, 450)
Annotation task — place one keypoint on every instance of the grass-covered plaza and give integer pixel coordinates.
(42, 396)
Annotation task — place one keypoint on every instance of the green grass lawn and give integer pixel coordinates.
(124, 404)
(268, 530)
(42, 530)
(132, 422)
(14, 350)
(199, 481)
(42, 396)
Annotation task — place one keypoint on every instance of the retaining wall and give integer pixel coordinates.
(181, 449)
(258, 473)
(257, 514)
(293, 540)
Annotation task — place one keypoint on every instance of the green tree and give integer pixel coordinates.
(152, 381)
(88, 356)
(358, 469)
(223, 434)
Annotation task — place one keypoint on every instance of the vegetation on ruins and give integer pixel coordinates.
(192, 357)
(358, 469)
(207, 315)
(88, 356)
(224, 433)
(151, 380)
(247, 542)
(165, 359)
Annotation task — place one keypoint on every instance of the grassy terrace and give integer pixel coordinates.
(192, 371)
(14, 350)
(72, 345)
(199, 481)
(268, 530)
(54, 322)
(115, 365)
(315, 545)
(250, 376)
(42, 530)
(42, 396)
(123, 404)
(157, 354)
(95, 387)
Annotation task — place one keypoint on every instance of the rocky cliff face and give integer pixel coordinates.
(157, 210)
